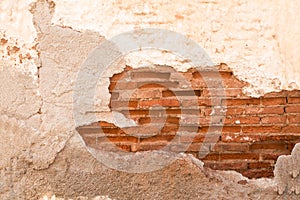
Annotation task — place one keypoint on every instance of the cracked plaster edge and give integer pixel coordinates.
(251, 89)
(196, 162)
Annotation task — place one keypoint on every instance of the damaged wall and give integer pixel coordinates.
(40, 150)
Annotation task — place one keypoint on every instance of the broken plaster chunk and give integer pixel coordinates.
(287, 172)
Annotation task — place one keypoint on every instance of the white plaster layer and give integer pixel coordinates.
(252, 37)
(16, 20)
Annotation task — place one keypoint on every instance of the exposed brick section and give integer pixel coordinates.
(255, 130)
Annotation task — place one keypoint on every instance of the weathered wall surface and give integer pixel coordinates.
(258, 39)
(40, 150)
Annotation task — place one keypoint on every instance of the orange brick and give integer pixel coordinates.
(158, 138)
(280, 136)
(127, 139)
(234, 102)
(161, 102)
(195, 139)
(276, 94)
(211, 156)
(242, 120)
(258, 173)
(273, 101)
(122, 85)
(261, 165)
(146, 94)
(150, 75)
(231, 147)
(274, 119)
(150, 146)
(261, 129)
(273, 156)
(138, 112)
(157, 84)
(291, 129)
(241, 138)
(225, 92)
(294, 93)
(292, 109)
(225, 165)
(294, 100)
(124, 104)
(239, 156)
(280, 145)
(294, 119)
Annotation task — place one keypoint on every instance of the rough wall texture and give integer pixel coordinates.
(255, 130)
(40, 150)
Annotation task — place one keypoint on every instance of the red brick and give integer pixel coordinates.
(196, 102)
(161, 102)
(250, 110)
(169, 129)
(292, 109)
(225, 165)
(211, 74)
(106, 124)
(124, 147)
(146, 94)
(158, 138)
(294, 100)
(147, 120)
(169, 93)
(124, 104)
(234, 102)
(150, 75)
(114, 130)
(291, 145)
(138, 112)
(261, 165)
(294, 93)
(150, 146)
(273, 156)
(239, 156)
(233, 83)
(273, 101)
(258, 173)
(279, 136)
(274, 119)
(261, 129)
(294, 119)
(231, 147)
(195, 138)
(228, 92)
(268, 145)
(127, 139)
(241, 138)
(242, 120)
(157, 84)
(225, 129)
(174, 111)
(211, 156)
(127, 85)
(276, 94)
(291, 129)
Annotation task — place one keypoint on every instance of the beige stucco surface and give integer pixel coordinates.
(258, 39)
(43, 45)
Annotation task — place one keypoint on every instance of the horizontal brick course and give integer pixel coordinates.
(212, 115)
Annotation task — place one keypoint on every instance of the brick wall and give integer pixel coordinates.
(255, 130)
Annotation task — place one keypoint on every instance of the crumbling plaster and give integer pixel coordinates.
(258, 39)
(36, 119)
